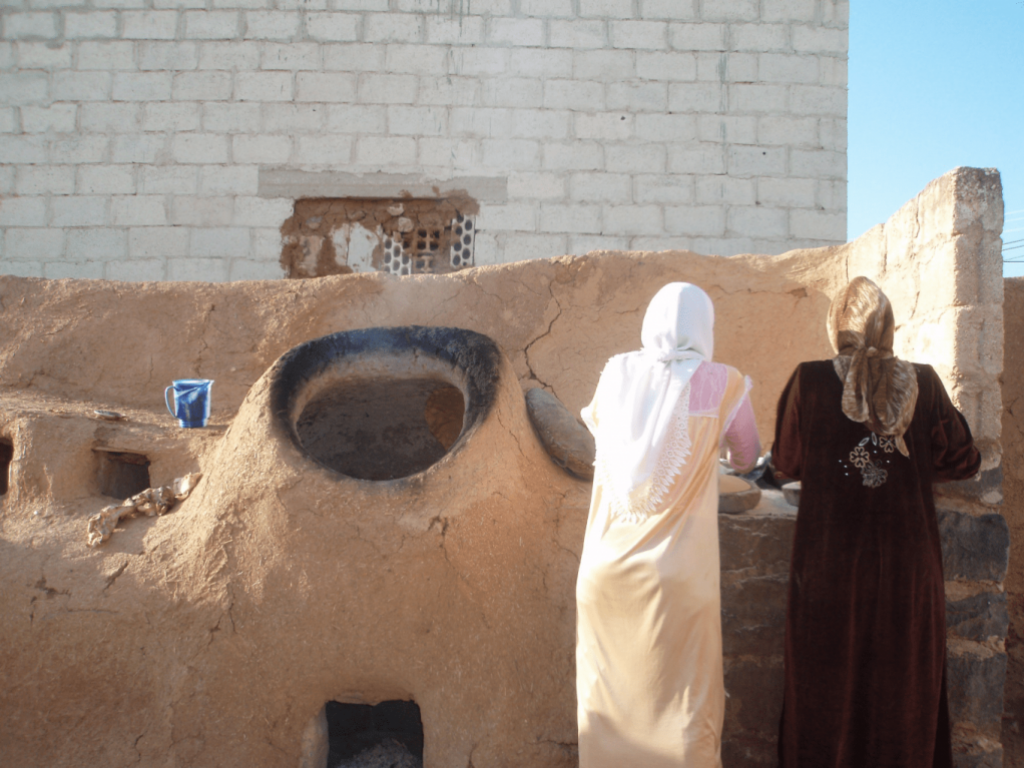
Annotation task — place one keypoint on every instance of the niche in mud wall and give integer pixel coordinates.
(121, 475)
(6, 457)
(388, 734)
(402, 236)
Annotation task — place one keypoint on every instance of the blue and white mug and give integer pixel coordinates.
(191, 401)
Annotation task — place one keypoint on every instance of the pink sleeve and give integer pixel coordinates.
(741, 438)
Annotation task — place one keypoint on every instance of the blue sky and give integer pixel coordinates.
(934, 85)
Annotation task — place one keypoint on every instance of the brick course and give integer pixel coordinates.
(718, 125)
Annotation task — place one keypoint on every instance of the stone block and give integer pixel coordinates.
(988, 756)
(636, 160)
(666, 67)
(789, 192)
(260, 212)
(604, 65)
(97, 245)
(512, 217)
(583, 219)
(107, 117)
(201, 211)
(533, 62)
(449, 153)
(582, 244)
(978, 617)
(387, 89)
(536, 186)
(382, 151)
(229, 180)
(200, 148)
(464, 30)
(290, 56)
(481, 61)
(149, 25)
(148, 86)
(578, 33)
(574, 94)
(986, 488)
(637, 97)
(33, 243)
(59, 118)
(706, 159)
(229, 56)
(45, 179)
(270, 150)
(674, 129)
(205, 270)
(449, 91)
(758, 99)
(211, 25)
(757, 221)
(139, 210)
(727, 129)
(754, 614)
(519, 92)
(41, 56)
(541, 124)
(612, 9)
(811, 39)
(246, 269)
(786, 68)
(337, 150)
(695, 220)
(23, 212)
(79, 211)
(756, 161)
(84, 270)
(115, 55)
(273, 25)
(817, 164)
(90, 24)
(28, 26)
(506, 31)
(634, 219)
(325, 87)
(696, 97)
(673, 10)
(974, 548)
(639, 35)
(80, 149)
(80, 86)
(716, 190)
(416, 59)
(106, 179)
(975, 678)
(292, 118)
(152, 242)
(818, 100)
(360, 5)
(526, 247)
(392, 28)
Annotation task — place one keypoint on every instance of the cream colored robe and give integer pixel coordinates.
(649, 680)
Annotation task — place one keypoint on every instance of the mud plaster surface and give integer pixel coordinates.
(212, 636)
(1013, 509)
(421, 225)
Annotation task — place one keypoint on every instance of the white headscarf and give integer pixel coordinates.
(642, 440)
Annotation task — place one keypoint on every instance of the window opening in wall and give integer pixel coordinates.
(406, 236)
(392, 728)
(6, 457)
(121, 475)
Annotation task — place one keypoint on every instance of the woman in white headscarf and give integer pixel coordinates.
(649, 637)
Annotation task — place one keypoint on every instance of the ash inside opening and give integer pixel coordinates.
(382, 429)
(6, 457)
(389, 735)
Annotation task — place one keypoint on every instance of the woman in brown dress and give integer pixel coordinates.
(867, 434)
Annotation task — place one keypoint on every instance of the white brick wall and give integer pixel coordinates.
(133, 132)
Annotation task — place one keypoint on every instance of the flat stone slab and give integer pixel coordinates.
(974, 548)
(569, 444)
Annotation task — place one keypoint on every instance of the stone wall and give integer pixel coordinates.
(170, 139)
(1013, 489)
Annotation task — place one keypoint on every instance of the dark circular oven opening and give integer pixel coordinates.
(380, 429)
(384, 403)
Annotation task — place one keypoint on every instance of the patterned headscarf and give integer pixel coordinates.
(879, 389)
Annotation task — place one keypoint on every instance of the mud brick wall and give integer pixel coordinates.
(160, 139)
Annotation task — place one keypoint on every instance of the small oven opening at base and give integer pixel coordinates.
(361, 736)
(121, 475)
(6, 457)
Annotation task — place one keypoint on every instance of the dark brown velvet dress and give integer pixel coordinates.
(866, 627)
